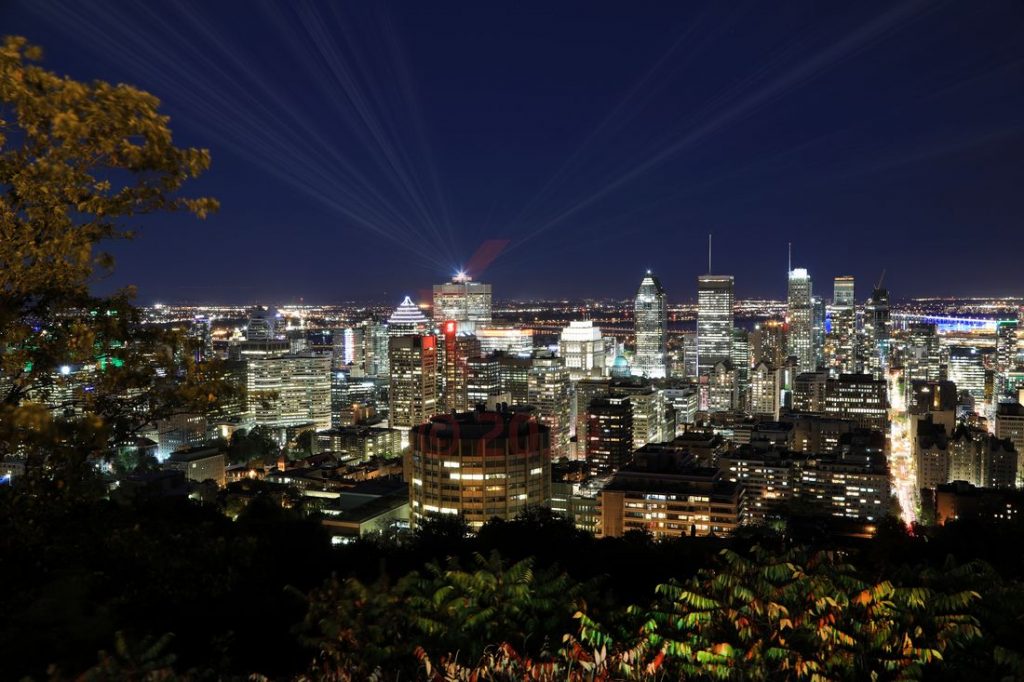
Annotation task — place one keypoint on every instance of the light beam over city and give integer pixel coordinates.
(540, 342)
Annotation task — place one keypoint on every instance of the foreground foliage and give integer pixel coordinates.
(80, 163)
(761, 616)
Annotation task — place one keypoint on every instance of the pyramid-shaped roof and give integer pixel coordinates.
(407, 313)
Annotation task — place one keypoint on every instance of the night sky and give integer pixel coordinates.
(367, 150)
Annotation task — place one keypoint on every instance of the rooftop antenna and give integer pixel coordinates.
(709, 253)
(789, 264)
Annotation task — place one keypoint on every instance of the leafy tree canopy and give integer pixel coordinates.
(79, 164)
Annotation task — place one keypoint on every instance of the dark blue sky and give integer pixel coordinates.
(367, 149)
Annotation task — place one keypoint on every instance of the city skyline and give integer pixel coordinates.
(574, 158)
(434, 372)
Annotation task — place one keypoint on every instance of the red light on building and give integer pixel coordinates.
(449, 327)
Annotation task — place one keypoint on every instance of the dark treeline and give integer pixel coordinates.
(235, 595)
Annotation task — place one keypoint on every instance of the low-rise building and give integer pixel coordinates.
(666, 495)
(202, 463)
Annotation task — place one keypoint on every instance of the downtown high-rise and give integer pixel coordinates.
(800, 321)
(463, 301)
(715, 297)
(651, 325)
(877, 329)
(844, 326)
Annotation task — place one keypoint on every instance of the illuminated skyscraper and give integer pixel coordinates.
(967, 371)
(800, 319)
(548, 391)
(413, 391)
(609, 433)
(466, 302)
(844, 327)
(407, 319)
(764, 390)
(582, 349)
(768, 342)
(714, 321)
(1006, 345)
(742, 362)
(922, 357)
(458, 348)
(482, 383)
(818, 329)
(876, 333)
(651, 324)
(290, 390)
(505, 339)
(262, 325)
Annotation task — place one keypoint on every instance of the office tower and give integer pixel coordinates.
(934, 402)
(844, 326)
(363, 348)
(413, 391)
(458, 348)
(582, 349)
(548, 390)
(809, 392)
(514, 376)
(714, 321)
(685, 402)
(684, 359)
(722, 392)
(348, 348)
(482, 383)
(1006, 346)
(800, 321)
(742, 363)
(466, 302)
(479, 465)
(511, 340)
(609, 433)
(407, 319)
(650, 415)
(1010, 427)
(860, 398)
(179, 432)
(375, 350)
(200, 332)
(290, 390)
(318, 341)
(967, 371)
(584, 391)
(764, 390)
(262, 338)
(768, 342)
(651, 326)
(877, 330)
(922, 357)
(353, 399)
(262, 325)
(818, 314)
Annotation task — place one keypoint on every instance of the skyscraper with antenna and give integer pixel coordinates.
(800, 339)
(715, 297)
